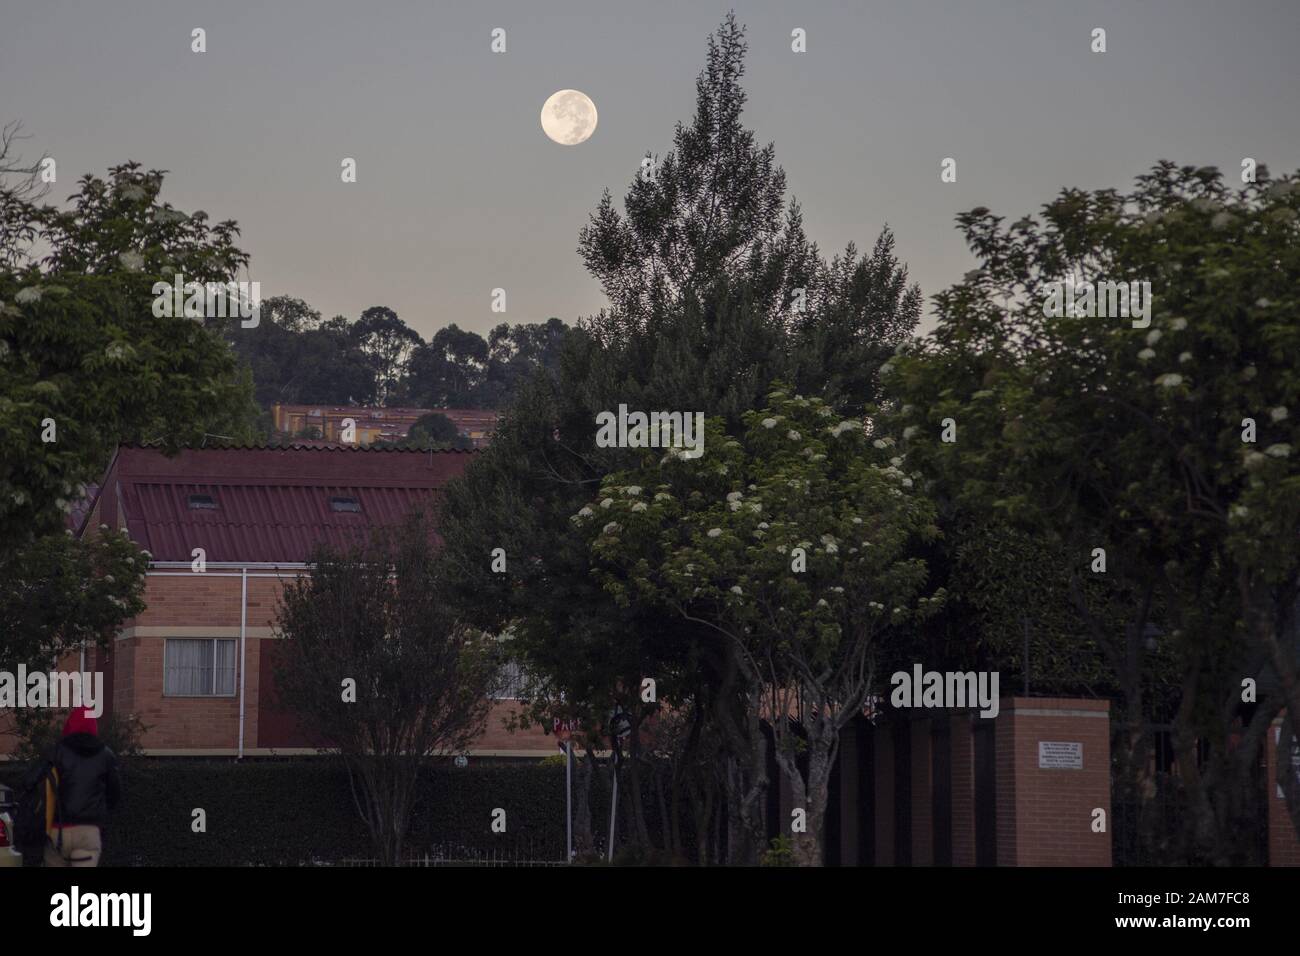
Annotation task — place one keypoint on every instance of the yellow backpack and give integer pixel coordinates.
(52, 802)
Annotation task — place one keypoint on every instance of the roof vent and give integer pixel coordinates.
(345, 504)
(202, 503)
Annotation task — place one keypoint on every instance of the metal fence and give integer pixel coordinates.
(455, 855)
(1154, 831)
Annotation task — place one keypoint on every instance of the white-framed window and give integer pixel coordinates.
(199, 667)
(509, 684)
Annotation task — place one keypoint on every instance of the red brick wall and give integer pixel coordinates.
(124, 676)
(209, 600)
(184, 723)
(185, 600)
(1283, 847)
(277, 727)
(1004, 751)
(1045, 815)
(963, 790)
(495, 736)
(194, 600)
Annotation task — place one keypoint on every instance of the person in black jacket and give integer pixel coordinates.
(89, 787)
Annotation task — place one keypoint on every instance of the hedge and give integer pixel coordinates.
(300, 811)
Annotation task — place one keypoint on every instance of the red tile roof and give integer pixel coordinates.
(272, 504)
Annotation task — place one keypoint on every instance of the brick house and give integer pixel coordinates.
(196, 665)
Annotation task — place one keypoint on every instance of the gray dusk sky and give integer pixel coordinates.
(460, 192)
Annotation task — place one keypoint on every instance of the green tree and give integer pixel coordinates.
(377, 666)
(86, 364)
(515, 352)
(706, 270)
(449, 371)
(61, 592)
(387, 343)
(1131, 435)
(436, 431)
(795, 544)
(295, 358)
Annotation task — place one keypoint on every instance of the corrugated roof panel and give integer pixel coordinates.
(266, 509)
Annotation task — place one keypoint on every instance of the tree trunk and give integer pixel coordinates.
(744, 762)
(636, 802)
(811, 794)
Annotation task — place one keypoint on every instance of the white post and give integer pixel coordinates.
(243, 660)
(568, 799)
(613, 813)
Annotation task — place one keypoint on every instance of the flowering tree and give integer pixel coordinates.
(794, 546)
(1163, 435)
(84, 363)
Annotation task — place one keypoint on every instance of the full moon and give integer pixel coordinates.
(569, 117)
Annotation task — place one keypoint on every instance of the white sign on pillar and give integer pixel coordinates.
(1060, 755)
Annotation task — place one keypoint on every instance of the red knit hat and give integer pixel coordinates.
(80, 722)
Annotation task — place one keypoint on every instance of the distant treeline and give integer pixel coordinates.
(296, 357)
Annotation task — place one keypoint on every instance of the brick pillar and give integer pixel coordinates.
(922, 796)
(883, 740)
(1053, 770)
(1283, 847)
(963, 790)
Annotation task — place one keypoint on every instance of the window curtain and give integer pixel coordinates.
(199, 668)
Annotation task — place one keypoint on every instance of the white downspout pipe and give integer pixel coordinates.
(243, 658)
